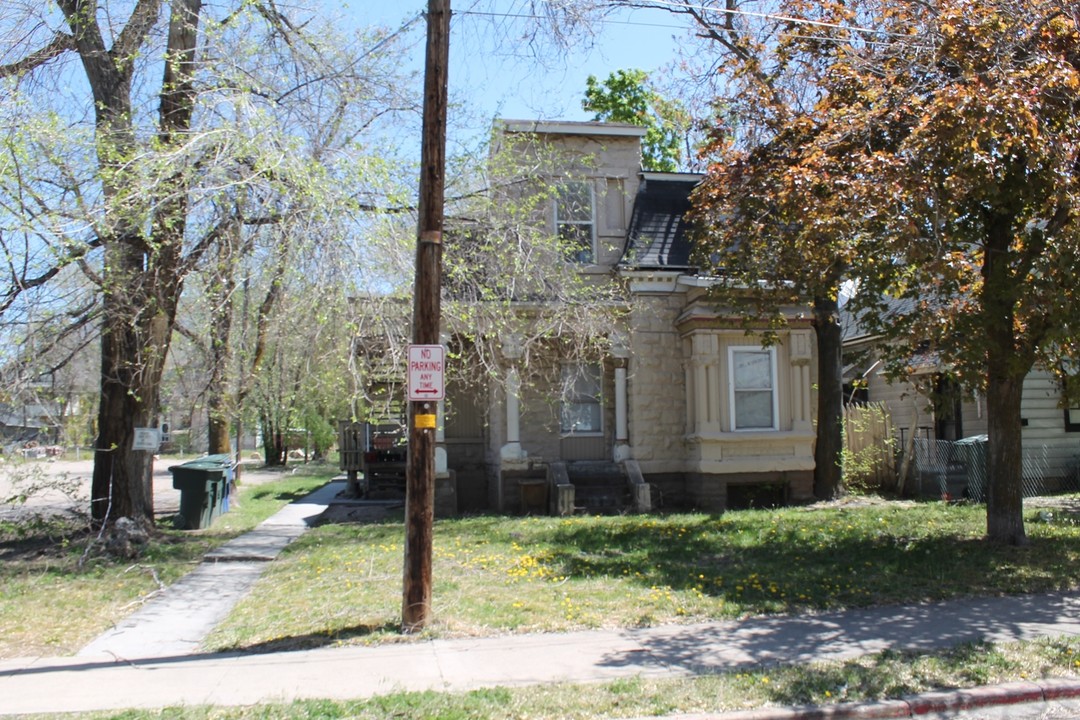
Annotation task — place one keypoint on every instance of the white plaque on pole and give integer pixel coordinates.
(146, 439)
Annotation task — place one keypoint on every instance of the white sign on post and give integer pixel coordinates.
(426, 372)
(146, 439)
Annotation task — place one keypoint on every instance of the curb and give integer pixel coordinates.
(1011, 693)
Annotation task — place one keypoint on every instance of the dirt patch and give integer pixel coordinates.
(855, 501)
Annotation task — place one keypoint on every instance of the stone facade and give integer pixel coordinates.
(656, 377)
(667, 400)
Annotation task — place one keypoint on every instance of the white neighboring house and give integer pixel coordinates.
(930, 407)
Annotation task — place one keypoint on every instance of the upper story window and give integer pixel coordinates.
(752, 381)
(574, 220)
(581, 411)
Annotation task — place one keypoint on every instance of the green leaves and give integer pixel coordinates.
(626, 97)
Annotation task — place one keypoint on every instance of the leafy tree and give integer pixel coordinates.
(625, 96)
(935, 147)
(133, 132)
(769, 225)
(969, 117)
(506, 280)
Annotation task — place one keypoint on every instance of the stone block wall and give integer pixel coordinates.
(656, 384)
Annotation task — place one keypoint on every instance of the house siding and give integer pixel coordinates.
(1051, 452)
(1048, 446)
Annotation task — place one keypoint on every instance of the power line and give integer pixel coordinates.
(771, 16)
(602, 21)
(662, 4)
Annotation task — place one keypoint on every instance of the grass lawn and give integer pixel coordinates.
(55, 595)
(341, 584)
(541, 574)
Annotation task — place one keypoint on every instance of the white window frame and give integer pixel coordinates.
(734, 350)
(571, 373)
(590, 223)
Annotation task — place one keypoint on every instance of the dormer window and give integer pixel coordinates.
(574, 220)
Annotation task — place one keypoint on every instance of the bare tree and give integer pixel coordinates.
(128, 138)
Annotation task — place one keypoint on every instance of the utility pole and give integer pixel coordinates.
(420, 469)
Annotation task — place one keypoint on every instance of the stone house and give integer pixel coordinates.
(685, 408)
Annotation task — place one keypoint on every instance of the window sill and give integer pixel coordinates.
(751, 436)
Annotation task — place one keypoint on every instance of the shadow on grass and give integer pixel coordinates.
(313, 641)
(886, 675)
(778, 563)
(41, 538)
(287, 496)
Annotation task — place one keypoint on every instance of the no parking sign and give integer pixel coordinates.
(427, 364)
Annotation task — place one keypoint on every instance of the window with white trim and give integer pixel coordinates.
(581, 407)
(1072, 409)
(1072, 419)
(752, 382)
(574, 221)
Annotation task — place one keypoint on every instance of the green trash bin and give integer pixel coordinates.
(204, 488)
(222, 497)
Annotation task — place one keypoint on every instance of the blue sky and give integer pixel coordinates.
(494, 74)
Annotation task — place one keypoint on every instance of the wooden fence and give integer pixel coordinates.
(869, 454)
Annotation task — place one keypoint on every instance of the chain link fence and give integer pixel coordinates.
(957, 470)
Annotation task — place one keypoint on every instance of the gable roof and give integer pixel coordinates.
(658, 237)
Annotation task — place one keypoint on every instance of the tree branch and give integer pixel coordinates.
(60, 44)
(20, 283)
(134, 33)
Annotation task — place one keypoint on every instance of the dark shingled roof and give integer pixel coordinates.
(658, 235)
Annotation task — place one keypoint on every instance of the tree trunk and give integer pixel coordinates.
(121, 484)
(217, 427)
(133, 350)
(828, 451)
(217, 392)
(274, 450)
(141, 278)
(1005, 498)
(1007, 364)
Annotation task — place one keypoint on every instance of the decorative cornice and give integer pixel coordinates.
(566, 127)
(652, 281)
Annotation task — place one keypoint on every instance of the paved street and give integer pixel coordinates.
(52, 477)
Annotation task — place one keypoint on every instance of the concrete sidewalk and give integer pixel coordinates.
(176, 621)
(151, 660)
(103, 682)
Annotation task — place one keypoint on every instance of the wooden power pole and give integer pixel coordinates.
(420, 470)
